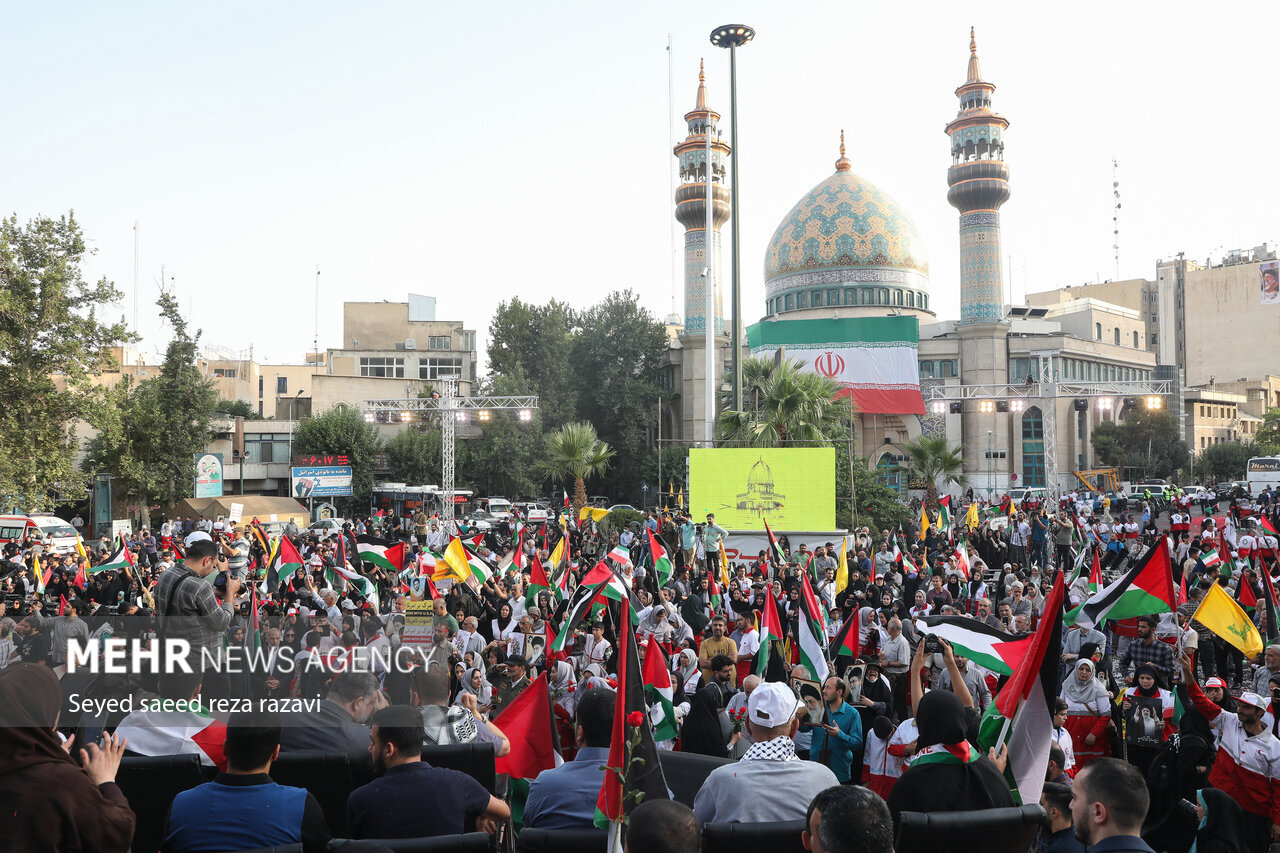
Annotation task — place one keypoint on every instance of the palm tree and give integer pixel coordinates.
(782, 404)
(576, 451)
(932, 459)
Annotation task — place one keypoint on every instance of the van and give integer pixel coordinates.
(499, 508)
(1033, 498)
(58, 536)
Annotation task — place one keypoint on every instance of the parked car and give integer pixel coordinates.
(534, 513)
(481, 520)
(623, 506)
(328, 526)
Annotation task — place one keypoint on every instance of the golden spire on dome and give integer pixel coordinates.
(843, 164)
(975, 75)
(702, 88)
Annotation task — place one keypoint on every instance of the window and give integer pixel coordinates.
(1135, 340)
(261, 380)
(911, 299)
(850, 296)
(439, 368)
(815, 299)
(769, 310)
(948, 368)
(1080, 419)
(225, 372)
(387, 368)
(926, 370)
(469, 341)
(266, 447)
(438, 342)
(802, 300)
(1097, 331)
(897, 297)
(1117, 336)
(1032, 448)
(833, 298)
(866, 295)
(789, 303)
(882, 296)
(924, 301)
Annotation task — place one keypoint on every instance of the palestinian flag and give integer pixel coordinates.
(1145, 589)
(1246, 597)
(812, 633)
(659, 692)
(463, 563)
(974, 639)
(770, 632)
(566, 499)
(362, 584)
(171, 732)
(579, 609)
(1021, 714)
(715, 594)
(284, 563)
(662, 562)
(383, 553)
(121, 559)
(846, 641)
(632, 773)
(908, 565)
(80, 579)
(1265, 525)
(1095, 573)
(944, 516)
(42, 578)
(775, 550)
(529, 724)
(538, 583)
(1273, 612)
(517, 556)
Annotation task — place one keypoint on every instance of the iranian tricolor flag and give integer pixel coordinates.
(191, 732)
(962, 560)
(658, 690)
(121, 558)
(621, 556)
(974, 639)
(873, 358)
(1145, 589)
(770, 632)
(812, 632)
(661, 562)
(1211, 559)
(383, 553)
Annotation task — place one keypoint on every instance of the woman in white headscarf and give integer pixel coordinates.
(564, 687)
(475, 683)
(1088, 713)
(686, 669)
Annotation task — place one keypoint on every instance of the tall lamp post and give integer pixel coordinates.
(732, 36)
(291, 427)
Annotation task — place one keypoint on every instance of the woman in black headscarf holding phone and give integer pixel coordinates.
(948, 773)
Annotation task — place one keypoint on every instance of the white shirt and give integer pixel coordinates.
(749, 644)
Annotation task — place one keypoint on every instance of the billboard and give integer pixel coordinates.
(1270, 284)
(208, 475)
(324, 481)
(791, 488)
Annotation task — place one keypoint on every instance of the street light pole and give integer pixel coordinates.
(291, 402)
(732, 36)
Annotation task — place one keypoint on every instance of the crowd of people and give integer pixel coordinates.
(1157, 717)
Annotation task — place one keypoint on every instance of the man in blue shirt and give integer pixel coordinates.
(688, 540)
(410, 798)
(839, 736)
(242, 808)
(1108, 804)
(565, 798)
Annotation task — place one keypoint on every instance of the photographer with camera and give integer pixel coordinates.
(187, 608)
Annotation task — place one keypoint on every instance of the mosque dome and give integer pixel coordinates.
(846, 243)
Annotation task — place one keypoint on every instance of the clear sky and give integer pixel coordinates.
(476, 152)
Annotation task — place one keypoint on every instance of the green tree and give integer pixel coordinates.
(1147, 439)
(1268, 435)
(238, 409)
(878, 505)
(51, 340)
(343, 431)
(619, 355)
(1226, 461)
(933, 459)
(783, 404)
(503, 459)
(575, 452)
(414, 456)
(536, 341)
(151, 432)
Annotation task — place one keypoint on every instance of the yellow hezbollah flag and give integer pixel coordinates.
(924, 521)
(971, 518)
(557, 553)
(80, 547)
(724, 570)
(592, 512)
(842, 570)
(455, 557)
(1222, 616)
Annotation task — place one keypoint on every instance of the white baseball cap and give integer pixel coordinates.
(772, 704)
(1214, 681)
(196, 536)
(1255, 700)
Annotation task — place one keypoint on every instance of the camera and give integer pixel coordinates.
(932, 645)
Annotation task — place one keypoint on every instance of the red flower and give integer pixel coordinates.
(635, 719)
(572, 687)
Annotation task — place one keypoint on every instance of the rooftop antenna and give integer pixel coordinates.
(135, 277)
(315, 341)
(1115, 215)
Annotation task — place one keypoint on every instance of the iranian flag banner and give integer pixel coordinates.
(873, 358)
(1145, 589)
(383, 553)
(962, 559)
(621, 556)
(661, 562)
(659, 692)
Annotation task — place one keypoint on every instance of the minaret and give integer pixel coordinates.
(691, 209)
(691, 212)
(979, 184)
